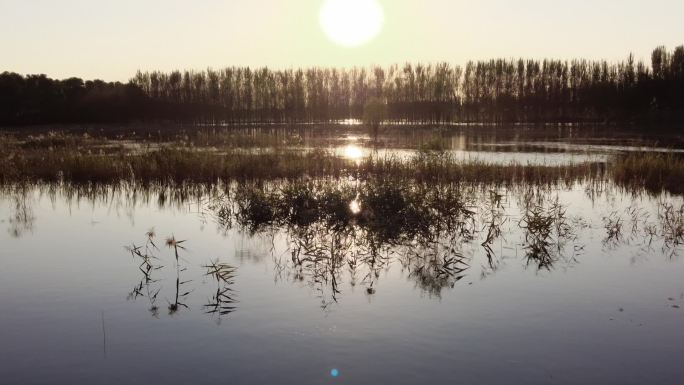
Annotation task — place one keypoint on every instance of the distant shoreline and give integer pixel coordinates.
(497, 91)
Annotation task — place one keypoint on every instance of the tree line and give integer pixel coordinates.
(37, 99)
(492, 91)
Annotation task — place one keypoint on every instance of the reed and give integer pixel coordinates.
(59, 158)
(652, 171)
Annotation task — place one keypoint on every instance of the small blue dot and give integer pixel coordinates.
(334, 372)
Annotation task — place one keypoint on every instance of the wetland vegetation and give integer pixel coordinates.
(260, 234)
(240, 200)
(215, 158)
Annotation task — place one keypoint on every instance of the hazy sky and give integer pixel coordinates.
(112, 39)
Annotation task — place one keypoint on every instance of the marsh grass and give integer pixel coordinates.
(652, 171)
(223, 138)
(55, 140)
(421, 224)
(434, 231)
(81, 159)
(175, 245)
(546, 228)
(223, 301)
(613, 224)
(186, 165)
(672, 224)
(147, 287)
(493, 218)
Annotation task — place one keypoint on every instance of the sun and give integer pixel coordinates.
(351, 23)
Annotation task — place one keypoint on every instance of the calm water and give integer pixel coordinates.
(548, 146)
(577, 284)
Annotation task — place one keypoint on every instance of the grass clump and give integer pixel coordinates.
(653, 171)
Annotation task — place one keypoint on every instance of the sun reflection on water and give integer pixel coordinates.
(353, 152)
(355, 206)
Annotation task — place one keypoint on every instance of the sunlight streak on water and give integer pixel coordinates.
(351, 122)
(355, 206)
(353, 152)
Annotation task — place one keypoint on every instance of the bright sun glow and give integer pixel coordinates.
(351, 23)
(353, 152)
(355, 206)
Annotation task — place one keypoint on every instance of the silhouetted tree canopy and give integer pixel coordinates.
(493, 91)
(37, 99)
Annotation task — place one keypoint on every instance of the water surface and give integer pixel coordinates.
(475, 294)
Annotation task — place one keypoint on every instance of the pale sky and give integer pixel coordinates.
(112, 39)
